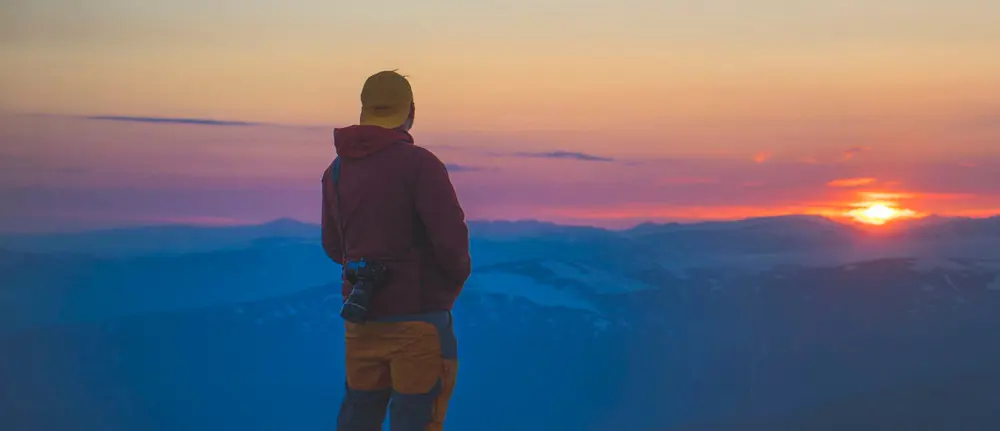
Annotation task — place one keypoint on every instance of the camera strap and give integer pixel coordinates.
(335, 177)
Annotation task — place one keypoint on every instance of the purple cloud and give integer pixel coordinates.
(566, 155)
(162, 120)
(455, 167)
(851, 153)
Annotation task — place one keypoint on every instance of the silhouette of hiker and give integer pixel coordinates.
(391, 217)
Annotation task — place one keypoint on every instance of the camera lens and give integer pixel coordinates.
(355, 307)
(352, 313)
(364, 278)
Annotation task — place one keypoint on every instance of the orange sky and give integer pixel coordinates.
(490, 66)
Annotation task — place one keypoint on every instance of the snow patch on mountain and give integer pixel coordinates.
(927, 264)
(931, 265)
(987, 265)
(524, 287)
(995, 285)
(553, 283)
(597, 281)
(714, 285)
(951, 283)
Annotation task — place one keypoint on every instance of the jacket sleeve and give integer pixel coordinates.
(438, 207)
(330, 232)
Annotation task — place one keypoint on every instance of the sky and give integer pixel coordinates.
(607, 113)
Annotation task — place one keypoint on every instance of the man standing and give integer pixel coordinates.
(392, 218)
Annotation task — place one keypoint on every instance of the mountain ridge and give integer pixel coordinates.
(781, 232)
(675, 324)
(289, 223)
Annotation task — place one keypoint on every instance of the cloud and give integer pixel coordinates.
(761, 157)
(688, 180)
(851, 182)
(851, 153)
(566, 155)
(455, 167)
(988, 119)
(923, 196)
(188, 121)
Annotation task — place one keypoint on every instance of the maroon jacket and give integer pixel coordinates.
(399, 208)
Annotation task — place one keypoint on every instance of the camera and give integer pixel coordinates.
(365, 277)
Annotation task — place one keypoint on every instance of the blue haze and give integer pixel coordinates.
(782, 323)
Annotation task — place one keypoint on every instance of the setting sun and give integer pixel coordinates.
(879, 213)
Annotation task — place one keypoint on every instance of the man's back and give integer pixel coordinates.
(391, 204)
(396, 206)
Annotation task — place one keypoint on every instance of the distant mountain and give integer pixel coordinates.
(959, 227)
(773, 223)
(172, 239)
(601, 348)
(45, 289)
(960, 399)
(776, 323)
(188, 238)
(762, 234)
(527, 228)
(756, 236)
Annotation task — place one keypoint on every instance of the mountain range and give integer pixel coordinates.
(776, 323)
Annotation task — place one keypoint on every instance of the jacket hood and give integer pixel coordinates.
(355, 142)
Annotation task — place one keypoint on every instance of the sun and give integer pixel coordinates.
(879, 213)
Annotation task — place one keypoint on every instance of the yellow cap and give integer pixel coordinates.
(385, 100)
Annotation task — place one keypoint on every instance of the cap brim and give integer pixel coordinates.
(385, 120)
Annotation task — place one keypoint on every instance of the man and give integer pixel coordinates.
(391, 203)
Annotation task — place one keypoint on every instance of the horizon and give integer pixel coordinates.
(224, 225)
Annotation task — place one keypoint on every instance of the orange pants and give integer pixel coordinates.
(407, 365)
